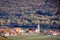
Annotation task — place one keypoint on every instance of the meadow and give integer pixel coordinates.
(34, 37)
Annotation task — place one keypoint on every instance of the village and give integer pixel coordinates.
(29, 20)
(20, 31)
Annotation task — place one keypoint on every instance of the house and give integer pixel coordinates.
(55, 33)
(18, 30)
(6, 34)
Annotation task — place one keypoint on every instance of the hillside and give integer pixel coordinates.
(15, 13)
(18, 6)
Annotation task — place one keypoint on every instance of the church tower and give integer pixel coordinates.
(38, 28)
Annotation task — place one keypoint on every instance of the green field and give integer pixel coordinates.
(34, 37)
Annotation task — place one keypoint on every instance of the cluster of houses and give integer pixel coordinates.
(11, 31)
(19, 31)
(51, 32)
(16, 31)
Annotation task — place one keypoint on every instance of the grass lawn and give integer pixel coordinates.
(34, 37)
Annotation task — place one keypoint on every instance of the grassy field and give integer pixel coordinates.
(34, 37)
(31, 37)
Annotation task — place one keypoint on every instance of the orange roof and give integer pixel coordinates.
(17, 29)
(51, 31)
